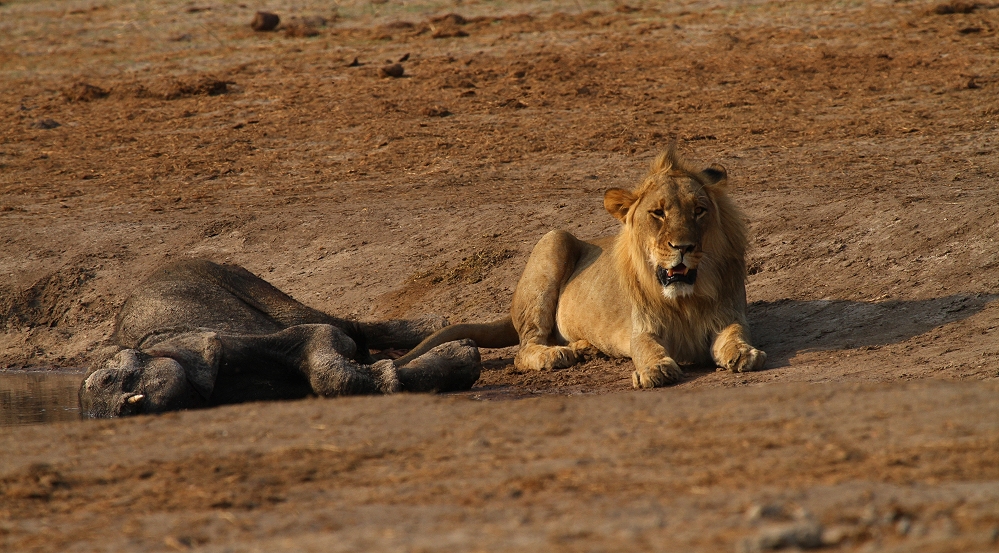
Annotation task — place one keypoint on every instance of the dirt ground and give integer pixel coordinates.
(862, 142)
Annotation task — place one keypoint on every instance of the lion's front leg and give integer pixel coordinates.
(732, 351)
(653, 365)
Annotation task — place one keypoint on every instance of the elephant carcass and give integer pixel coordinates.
(198, 334)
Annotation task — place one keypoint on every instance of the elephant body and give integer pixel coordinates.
(199, 334)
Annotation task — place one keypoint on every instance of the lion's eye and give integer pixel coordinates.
(700, 211)
(658, 213)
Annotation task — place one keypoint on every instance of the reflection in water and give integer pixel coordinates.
(32, 397)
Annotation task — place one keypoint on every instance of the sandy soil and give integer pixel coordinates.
(861, 139)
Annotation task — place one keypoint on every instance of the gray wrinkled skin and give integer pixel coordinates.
(197, 334)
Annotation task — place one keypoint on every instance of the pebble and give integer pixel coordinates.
(395, 71)
(46, 124)
(804, 535)
(265, 21)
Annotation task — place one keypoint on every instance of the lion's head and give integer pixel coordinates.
(682, 235)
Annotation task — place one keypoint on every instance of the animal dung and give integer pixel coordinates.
(265, 21)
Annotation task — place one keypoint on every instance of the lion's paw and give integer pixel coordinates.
(540, 358)
(745, 358)
(583, 350)
(664, 373)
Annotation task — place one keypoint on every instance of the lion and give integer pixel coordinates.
(668, 290)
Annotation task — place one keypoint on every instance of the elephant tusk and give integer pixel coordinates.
(136, 398)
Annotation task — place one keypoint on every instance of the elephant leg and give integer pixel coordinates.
(320, 353)
(448, 367)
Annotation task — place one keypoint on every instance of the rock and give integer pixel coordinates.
(265, 21)
(436, 111)
(46, 124)
(803, 535)
(84, 92)
(395, 71)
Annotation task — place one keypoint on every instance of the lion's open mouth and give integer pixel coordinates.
(679, 274)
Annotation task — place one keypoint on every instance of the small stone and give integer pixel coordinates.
(46, 124)
(436, 111)
(84, 92)
(265, 21)
(395, 71)
(804, 535)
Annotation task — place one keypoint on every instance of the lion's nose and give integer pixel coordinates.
(684, 248)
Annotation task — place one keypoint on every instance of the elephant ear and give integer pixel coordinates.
(198, 352)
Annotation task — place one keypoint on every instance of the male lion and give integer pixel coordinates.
(669, 289)
(197, 334)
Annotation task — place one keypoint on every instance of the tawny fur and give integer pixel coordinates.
(576, 297)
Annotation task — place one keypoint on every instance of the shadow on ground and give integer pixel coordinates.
(786, 327)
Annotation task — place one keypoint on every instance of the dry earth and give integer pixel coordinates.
(862, 143)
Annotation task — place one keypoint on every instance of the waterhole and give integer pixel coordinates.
(36, 397)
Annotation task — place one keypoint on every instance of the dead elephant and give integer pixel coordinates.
(198, 334)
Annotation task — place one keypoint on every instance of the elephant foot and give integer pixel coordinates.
(446, 368)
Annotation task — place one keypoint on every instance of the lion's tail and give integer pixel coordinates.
(497, 334)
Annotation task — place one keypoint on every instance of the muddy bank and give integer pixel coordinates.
(898, 466)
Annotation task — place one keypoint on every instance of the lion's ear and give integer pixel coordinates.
(618, 201)
(715, 175)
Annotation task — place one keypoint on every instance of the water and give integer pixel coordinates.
(35, 397)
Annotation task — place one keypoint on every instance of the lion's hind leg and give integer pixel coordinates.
(535, 301)
(539, 357)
